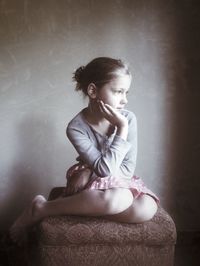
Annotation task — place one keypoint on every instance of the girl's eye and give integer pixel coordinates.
(119, 92)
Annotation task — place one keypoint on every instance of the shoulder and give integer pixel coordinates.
(78, 123)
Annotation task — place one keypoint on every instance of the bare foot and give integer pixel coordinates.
(30, 216)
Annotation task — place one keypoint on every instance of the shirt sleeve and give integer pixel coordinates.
(128, 165)
(119, 158)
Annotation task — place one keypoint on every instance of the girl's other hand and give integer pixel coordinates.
(77, 181)
(112, 115)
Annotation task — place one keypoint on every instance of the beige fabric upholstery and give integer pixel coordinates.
(75, 240)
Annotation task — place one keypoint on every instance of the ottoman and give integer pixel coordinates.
(83, 241)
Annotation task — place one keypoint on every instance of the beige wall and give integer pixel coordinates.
(42, 42)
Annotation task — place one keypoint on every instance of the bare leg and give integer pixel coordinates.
(91, 203)
(142, 209)
(87, 202)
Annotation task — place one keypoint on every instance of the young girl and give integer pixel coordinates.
(105, 136)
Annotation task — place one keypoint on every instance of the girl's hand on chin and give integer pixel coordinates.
(112, 115)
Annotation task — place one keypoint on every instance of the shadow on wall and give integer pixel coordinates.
(33, 165)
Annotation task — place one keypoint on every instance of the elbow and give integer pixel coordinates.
(102, 169)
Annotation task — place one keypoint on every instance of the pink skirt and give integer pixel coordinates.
(135, 184)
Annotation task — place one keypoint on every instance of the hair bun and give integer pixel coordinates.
(79, 73)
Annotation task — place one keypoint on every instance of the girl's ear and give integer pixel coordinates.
(92, 91)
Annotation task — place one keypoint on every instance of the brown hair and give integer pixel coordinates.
(99, 71)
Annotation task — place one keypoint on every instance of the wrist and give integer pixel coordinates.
(122, 124)
(122, 131)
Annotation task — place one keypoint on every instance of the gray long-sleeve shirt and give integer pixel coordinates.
(105, 155)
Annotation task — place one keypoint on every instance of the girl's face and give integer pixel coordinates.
(115, 92)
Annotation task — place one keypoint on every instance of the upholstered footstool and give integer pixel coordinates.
(82, 241)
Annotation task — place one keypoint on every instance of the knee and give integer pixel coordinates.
(118, 200)
(147, 208)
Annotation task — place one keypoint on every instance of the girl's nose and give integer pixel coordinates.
(124, 99)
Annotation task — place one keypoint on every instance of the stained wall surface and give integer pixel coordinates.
(43, 42)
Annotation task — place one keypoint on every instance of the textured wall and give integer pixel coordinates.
(42, 42)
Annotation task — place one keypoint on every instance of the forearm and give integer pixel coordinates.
(108, 163)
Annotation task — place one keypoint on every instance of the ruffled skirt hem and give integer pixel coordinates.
(135, 184)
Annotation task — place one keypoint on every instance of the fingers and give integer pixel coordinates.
(106, 109)
(110, 108)
(71, 188)
(78, 181)
(102, 106)
(68, 190)
(112, 115)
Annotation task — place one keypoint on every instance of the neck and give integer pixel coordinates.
(94, 115)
